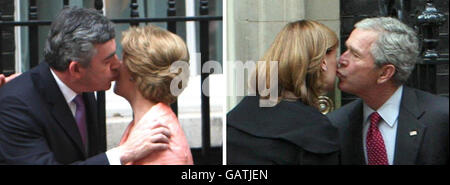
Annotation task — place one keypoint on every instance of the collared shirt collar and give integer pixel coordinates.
(389, 110)
(68, 93)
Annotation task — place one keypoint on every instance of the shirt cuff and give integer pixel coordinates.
(113, 156)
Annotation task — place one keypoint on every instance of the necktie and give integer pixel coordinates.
(80, 117)
(376, 151)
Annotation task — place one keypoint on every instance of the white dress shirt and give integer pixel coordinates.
(113, 154)
(389, 112)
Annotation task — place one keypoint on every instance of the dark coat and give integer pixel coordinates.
(289, 133)
(37, 126)
(425, 113)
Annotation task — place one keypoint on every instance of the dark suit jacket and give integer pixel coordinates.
(288, 133)
(37, 126)
(420, 111)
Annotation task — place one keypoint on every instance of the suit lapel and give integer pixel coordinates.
(355, 119)
(65, 119)
(58, 105)
(92, 123)
(409, 131)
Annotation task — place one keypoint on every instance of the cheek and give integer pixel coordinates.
(330, 73)
(104, 69)
(98, 71)
(332, 65)
(124, 73)
(353, 68)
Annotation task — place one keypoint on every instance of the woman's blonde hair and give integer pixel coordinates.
(299, 49)
(148, 53)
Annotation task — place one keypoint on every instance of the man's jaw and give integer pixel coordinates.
(115, 77)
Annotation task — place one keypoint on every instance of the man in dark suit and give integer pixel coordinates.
(48, 115)
(391, 124)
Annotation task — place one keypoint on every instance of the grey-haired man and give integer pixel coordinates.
(391, 124)
(48, 116)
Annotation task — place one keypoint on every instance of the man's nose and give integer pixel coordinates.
(116, 63)
(343, 60)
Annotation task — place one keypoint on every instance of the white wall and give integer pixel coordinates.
(253, 24)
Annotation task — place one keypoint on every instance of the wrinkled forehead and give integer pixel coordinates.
(361, 39)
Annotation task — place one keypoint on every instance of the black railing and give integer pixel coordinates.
(33, 34)
(204, 25)
(205, 155)
(426, 19)
(172, 27)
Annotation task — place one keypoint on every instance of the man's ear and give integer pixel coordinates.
(75, 69)
(323, 65)
(387, 73)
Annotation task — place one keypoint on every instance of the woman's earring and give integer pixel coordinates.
(131, 79)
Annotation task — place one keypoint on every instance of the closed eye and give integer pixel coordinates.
(110, 56)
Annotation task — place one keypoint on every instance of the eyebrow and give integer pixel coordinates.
(110, 55)
(353, 49)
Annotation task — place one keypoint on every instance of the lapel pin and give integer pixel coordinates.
(412, 133)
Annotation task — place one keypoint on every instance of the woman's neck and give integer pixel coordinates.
(140, 106)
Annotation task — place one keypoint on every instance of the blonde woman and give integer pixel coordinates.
(144, 81)
(292, 131)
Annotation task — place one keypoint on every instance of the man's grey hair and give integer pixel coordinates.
(73, 35)
(397, 44)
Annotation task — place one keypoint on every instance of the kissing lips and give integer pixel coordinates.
(339, 75)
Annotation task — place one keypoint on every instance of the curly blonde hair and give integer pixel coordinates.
(148, 53)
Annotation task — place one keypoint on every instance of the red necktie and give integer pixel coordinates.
(376, 151)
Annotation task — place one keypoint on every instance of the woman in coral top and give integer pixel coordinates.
(145, 81)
